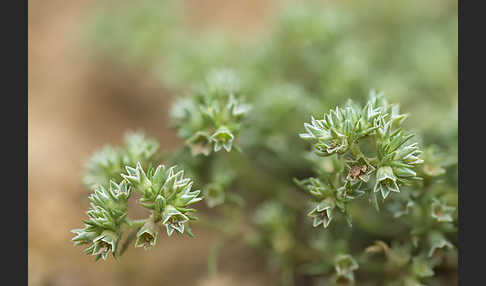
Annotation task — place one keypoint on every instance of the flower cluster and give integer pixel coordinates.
(210, 120)
(108, 163)
(340, 129)
(166, 193)
(107, 214)
(371, 144)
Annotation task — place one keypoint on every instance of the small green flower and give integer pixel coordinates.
(222, 138)
(332, 145)
(345, 266)
(437, 242)
(322, 213)
(173, 219)
(104, 244)
(386, 181)
(214, 194)
(345, 263)
(200, 143)
(138, 178)
(441, 212)
(314, 186)
(213, 117)
(147, 235)
(108, 163)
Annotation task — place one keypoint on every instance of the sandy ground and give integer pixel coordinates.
(78, 103)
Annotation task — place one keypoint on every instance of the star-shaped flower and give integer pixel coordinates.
(322, 213)
(386, 181)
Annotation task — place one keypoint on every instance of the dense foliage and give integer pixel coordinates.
(288, 142)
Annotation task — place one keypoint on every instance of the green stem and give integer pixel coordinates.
(127, 241)
(214, 254)
(136, 223)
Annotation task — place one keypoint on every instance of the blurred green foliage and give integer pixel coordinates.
(314, 57)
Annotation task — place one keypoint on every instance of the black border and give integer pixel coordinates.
(471, 144)
(14, 26)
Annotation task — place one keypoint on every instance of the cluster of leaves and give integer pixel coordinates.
(314, 58)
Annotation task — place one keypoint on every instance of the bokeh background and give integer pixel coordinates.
(80, 99)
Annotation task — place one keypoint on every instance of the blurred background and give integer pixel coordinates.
(95, 72)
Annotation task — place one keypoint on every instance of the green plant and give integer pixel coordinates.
(165, 192)
(371, 199)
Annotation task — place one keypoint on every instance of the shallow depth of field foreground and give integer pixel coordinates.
(243, 143)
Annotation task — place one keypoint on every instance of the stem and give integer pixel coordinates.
(129, 239)
(214, 254)
(136, 223)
